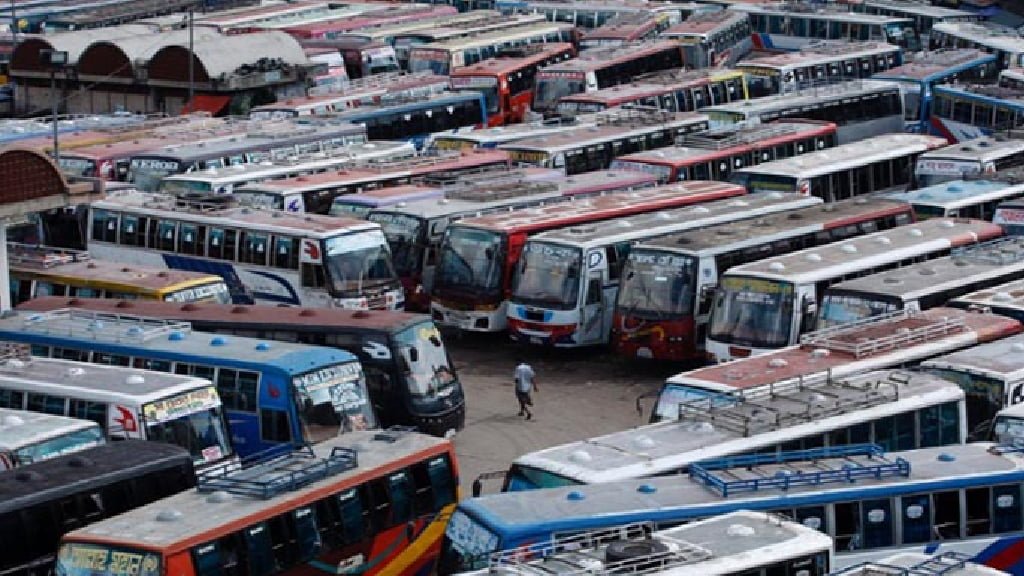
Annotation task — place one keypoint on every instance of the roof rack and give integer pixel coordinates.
(852, 339)
(394, 433)
(105, 326)
(945, 563)
(1000, 252)
(829, 465)
(632, 115)
(489, 192)
(43, 257)
(732, 136)
(449, 178)
(276, 475)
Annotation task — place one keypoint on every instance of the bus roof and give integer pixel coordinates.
(958, 193)
(509, 34)
(1002, 95)
(859, 153)
(503, 64)
(1003, 359)
(595, 58)
(855, 347)
(735, 235)
(936, 65)
(737, 424)
(703, 23)
(512, 132)
(580, 137)
(811, 11)
(170, 338)
(197, 516)
(125, 147)
(819, 53)
(19, 428)
(983, 149)
(82, 471)
(984, 33)
(390, 195)
(653, 84)
(919, 8)
(910, 563)
(805, 97)
(1008, 297)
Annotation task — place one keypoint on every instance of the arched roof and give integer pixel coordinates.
(225, 54)
(29, 175)
(26, 54)
(119, 56)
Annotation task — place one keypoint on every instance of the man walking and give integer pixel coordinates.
(526, 382)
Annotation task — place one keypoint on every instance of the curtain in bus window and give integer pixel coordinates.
(916, 519)
(877, 523)
(1006, 507)
(259, 550)
(350, 506)
(441, 482)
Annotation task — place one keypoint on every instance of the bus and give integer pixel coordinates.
(792, 26)
(416, 119)
(127, 402)
(714, 154)
(275, 395)
(592, 13)
(1010, 215)
(860, 108)
(925, 16)
(870, 166)
(923, 285)
(663, 307)
(1004, 300)
(1008, 426)
(507, 81)
(675, 91)
(110, 161)
(393, 14)
(444, 57)
(360, 204)
(964, 112)
(918, 79)
(713, 39)
(372, 500)
(766, 305)
(600, 68)
(765, 419)
(43, 271)
(954, 563)
(226, 179)
(554, 302)
(1011, 78)
(616, 132)
(27, 437)
(409, 375)
(50, 498)
(959, 498)
(264, 256)
(981, 199)
(820, 63)
(315, 193)
(625, 29)
(742, 542)
(977, 157)
(493, 137)
(1002, 41)
(415, 231)
(407, 40)
(479, 256)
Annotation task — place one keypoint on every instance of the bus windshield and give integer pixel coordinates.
(752, 312)
(551, 88)
(193, 420)
(658, 285)
(1008, 430)
(183, 187)
(57, 446)
(765, 182)
(984, 396)
(216, 292)
(358, 261)
(906, 37)
(428, 372)
(402, 232)
(471, 260)
(672, 395)
(548, 275)
(146, 173)
(77, 166)
(529, 478)
(423, 60)
(846, 307)
(467, 544)
(96, 560)
(333, 400)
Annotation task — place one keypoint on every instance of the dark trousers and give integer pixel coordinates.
(524, 401)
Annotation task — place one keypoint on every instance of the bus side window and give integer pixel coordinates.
(381, 504)
(313, 276)
(1007, 508)
(104, 226)
(285, 254)
(47, 404)
(258, 550)
(95, 411)
(192, 240)
(400, 492)
(12, 399)
(253, 248)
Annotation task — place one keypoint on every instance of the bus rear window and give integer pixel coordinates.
(521, 478)
(94, 560)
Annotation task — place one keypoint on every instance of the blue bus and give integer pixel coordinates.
(416, 119)
(963, 112)
(916, 79)
(962, 498)
(277, 395)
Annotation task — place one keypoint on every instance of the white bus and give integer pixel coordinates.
(789, 26)
(125, 402)
(554, 302)
(923, 285)
(914, 564)
(796, 414)
(1004, 42)
(460, 139)
(766, 305)
(981, 199)
(984, 155)
(712, 39)
(860, 108)
(27, 437)
(264, 256)
(1005, 299)
(818, 63)
(925, 15)
(1008, 426)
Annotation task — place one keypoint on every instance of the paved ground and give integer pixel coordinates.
(583, 393)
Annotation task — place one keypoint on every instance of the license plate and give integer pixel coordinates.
(535, 340)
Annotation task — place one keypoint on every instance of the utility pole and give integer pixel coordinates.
(191, 57)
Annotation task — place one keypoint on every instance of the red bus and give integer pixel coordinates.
(714, 154)
(675, 91)
(507, 81)
(625, 28)
(326, 29)
(664, 304)
(473, 280)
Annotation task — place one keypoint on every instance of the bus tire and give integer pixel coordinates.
(633, 549)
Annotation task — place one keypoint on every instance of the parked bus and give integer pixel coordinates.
(712, 39)
(954, 563)
(918, 79)
(664, 305)
(925, 16)
(1002, 41)
(507, 81)
(48, 499)
(1010, 215)
(374, 500)
(625, 29)
(479, 256)
(860, 109)
(276, 395)
(765, 305)
(977, 157)
(1004, 300)
(449, 32)
(714, 154)
(821, 63)
(557, 301)
(592, 13)
(675, 91)
(742, 542)
(965, 112)
(417, 119)
(43, 271)
(409, 375)
(264, 256)
(127, 402)
(1011, 78)
(445, 56)
(360, 204)
(493, 137)
(877, 164)
(27, 437)
(869, 501)
(110, 161)
(600, 68)
(981, 199)
(316, 193)
(1008, 426)
(617, 132)
(792, 26)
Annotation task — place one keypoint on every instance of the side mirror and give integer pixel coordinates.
(435, 341)
(414, 354)
(707, 291)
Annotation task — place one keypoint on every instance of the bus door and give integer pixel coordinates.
(594, 320)
(705, 296)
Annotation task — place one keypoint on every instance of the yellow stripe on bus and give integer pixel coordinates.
(430, 536)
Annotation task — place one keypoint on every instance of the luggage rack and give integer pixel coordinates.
(276, 475)
(43, 257)
(500, 191)
(844, 338)
(838, 464)
(15, 351)
(104, 326)
(630, 115)
(999, 252)
(731, 136)
(945, 563)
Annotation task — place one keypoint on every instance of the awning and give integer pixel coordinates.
(212, 103)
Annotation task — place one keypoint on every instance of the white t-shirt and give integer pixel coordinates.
(524, 378)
